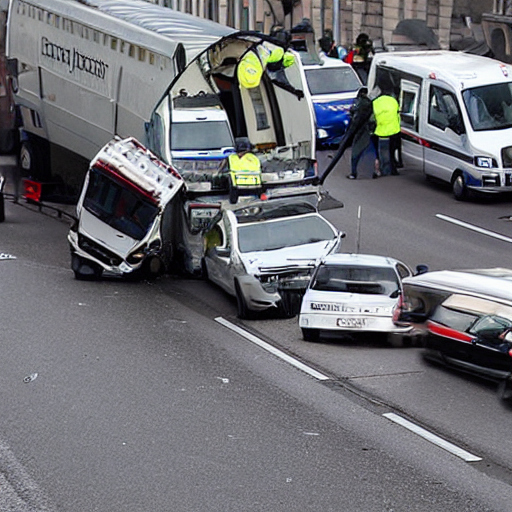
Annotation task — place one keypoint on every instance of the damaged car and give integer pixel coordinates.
(263, 252)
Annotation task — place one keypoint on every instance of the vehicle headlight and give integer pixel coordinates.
(321, 133)
(485, 162)
(137, 256)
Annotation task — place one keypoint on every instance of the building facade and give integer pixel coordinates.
(345, 19)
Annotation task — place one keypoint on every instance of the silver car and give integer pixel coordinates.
(264, 252)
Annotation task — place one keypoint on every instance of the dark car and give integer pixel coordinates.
(467, 320)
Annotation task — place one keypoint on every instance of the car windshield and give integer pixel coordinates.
(356, 279)
(332, 80)
(289, 232)
(489, 107)
(199, 136)
(119, 207)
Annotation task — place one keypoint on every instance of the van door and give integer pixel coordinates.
(412, 149)
(445, 135)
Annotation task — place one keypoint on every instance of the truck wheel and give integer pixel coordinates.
(459, 188)
(34, 160)
(310, 334)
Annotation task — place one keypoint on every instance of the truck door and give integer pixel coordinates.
(412, 147)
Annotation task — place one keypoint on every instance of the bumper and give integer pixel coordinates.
(120, 269)
(351, 323)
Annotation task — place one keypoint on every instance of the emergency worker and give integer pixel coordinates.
(386, 111)
(244, 169)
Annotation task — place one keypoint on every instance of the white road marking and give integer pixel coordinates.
(463, 454)
(269, 348)
(473, 228)
(459, 452)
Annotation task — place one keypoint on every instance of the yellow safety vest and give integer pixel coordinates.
(250, 70)
(387, 117)
(245, 171)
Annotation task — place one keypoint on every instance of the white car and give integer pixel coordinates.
(263, 252)
(353, 293)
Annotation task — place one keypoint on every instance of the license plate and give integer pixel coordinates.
(355, 323)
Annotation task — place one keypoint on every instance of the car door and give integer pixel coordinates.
(412, 147)
(489, 348)
(218, 259)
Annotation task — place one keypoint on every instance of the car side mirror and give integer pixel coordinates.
(395, 294)
(421, 269)
(223, 252)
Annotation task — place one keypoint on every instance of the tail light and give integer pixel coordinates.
(397, 309)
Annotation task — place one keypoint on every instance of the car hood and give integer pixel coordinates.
(286, 259)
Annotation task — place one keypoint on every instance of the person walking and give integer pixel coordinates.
(361, 125)
(386, 111)
(358, 135)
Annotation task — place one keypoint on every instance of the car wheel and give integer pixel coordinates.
(505, 390)
(244, 313)
(460, 191)
(85, 270)
(311, 334)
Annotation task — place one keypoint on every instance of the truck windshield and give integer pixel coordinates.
(272, 235)
(199, 136)
(356, 279)
(489, 107)
(119, 207)
(332, 80)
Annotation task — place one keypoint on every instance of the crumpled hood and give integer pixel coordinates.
(299, 256)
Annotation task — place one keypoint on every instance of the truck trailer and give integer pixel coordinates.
(89, 70)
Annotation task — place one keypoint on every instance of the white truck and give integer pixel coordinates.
(88, 70)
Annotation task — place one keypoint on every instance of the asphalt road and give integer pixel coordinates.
(132, 396)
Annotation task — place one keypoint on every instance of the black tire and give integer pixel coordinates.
(233, 194)
(505, 391)
(85, 270)
(2, 207)
(34, 160)
(311, 334)
(459, 188)
(204, 269)
(244, 313)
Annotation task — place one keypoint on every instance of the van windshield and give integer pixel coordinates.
(332, 80)
(119, 207)
(200, 136)
(489, 107)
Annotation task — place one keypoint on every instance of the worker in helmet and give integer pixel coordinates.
(244, 170)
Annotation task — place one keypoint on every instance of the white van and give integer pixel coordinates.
(456, 112)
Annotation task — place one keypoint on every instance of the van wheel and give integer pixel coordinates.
(460, 191)
(85, 270)
(34, 160)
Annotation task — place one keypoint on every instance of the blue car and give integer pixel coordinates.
(333, 85)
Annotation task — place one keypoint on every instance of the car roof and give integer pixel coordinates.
(493, 283)
(364, 260)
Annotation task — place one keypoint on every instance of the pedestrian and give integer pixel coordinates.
(386, 111)
(358, 135)
(361, 124)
